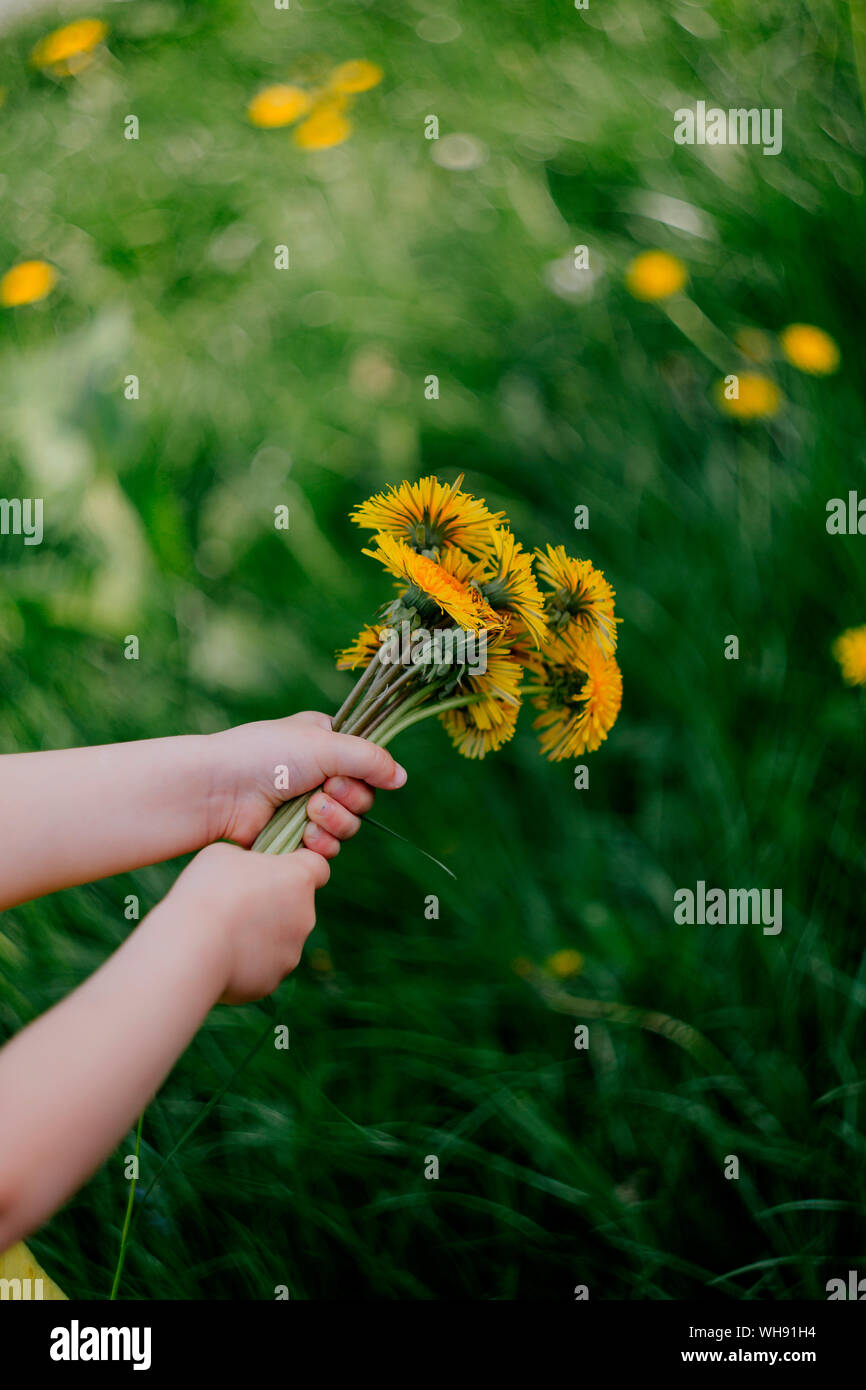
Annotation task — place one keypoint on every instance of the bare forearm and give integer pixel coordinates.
(85, 813)
(73, 1082)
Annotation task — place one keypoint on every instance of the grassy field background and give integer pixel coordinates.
(409, 257)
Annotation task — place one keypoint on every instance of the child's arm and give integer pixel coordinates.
(72, 1083)
(85, 813)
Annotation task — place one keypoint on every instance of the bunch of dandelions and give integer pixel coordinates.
(478, 625)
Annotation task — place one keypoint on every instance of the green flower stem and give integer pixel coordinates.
(411, 700)
(390, 730)
(124, 1235)
(376, 675)
(356, 691)
(292, 839)
(359, 722)
(286, 838)
(380, 684)
(394, 715)
(381, 677)
(292, 826)
(276, 823)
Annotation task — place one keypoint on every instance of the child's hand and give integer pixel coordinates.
(110, 809)
(243, 772)
(253, 913)
(73, 1081)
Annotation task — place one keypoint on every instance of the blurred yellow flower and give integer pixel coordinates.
(61, 47)
(564, 963)
(27, 282)
(278, 105)
(358, 75)
(809, 349)
(758, 397)
(326, 123)
(320, 960)
(325, 127)
(849, 649)
(655, 275)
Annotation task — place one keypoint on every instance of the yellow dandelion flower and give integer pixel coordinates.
(472, 741)
(362, 650)
(325, 127)
(849, 649)
(278, 106)
(27, 282)
(490, 721)
(758, 397)
(809, 349)
(358, 75)
(582, 697)
(528, 656)
(505, 578)
(431, 587)
(655, 275)
(509, 585)
(565, 963)
(429, 515)
(580, 597)
(462, 566)
(60, 49)
(499, 685)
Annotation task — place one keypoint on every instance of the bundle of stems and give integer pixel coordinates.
(387, 699)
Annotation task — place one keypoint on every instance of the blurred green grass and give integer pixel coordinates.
(558, 1167)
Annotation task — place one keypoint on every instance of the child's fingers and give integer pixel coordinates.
(347, 756)
(327, 813)
(317, 839)
(315, 864)
(354, 795)
(313, 716)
